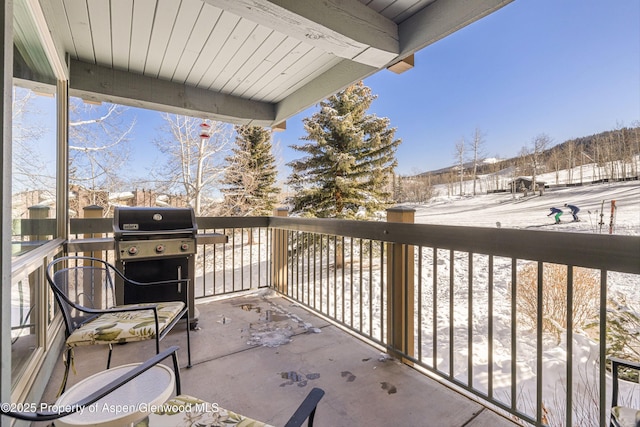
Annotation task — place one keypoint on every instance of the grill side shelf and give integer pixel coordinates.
(211, 238)
(91, 244)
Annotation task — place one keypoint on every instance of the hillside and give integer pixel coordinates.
(517, 211)
(607, 146)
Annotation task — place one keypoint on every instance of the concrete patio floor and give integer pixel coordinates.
(363, 387)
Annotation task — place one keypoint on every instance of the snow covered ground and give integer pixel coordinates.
(510, 211)
(516, 211)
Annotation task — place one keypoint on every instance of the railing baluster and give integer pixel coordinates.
(233, 259)
(383, 292)
(308, 237)
(338, 252)
(470, 321)
(240, 271)
(361, 287)
(603, 347)
(370, 287)
(539, 325)
(419, 282)
(490, 326)
(514, 348)
(435, 309)
(569, 384)
(346, 298)
(451, 313)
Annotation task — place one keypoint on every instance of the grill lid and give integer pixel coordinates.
(140, 221)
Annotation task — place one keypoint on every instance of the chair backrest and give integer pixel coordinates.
(37, 415)
(81, 285)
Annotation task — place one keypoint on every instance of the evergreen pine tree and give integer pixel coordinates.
(249, 182)
(350, 158)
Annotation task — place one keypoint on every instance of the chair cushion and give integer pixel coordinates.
(626, 417)
(184, 410)
(120, 327)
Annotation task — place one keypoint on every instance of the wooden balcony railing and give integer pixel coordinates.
(444, 299)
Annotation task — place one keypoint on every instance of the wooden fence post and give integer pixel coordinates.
(279, 247)
(93, 285)
(400, 289)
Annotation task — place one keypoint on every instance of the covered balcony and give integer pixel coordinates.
(408, 323)
(400, 323)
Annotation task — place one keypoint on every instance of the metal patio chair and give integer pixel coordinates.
(84, 290)
(622, 416)
(183, 408)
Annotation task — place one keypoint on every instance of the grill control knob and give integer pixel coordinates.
(133, 250)
(184, 246)
(160, 249)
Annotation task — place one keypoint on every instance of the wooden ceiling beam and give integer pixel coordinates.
(345, 28)
(100, 84)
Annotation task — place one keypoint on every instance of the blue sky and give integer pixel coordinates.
(566, 68)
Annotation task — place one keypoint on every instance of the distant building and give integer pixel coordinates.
(80, 197)
(525, 183)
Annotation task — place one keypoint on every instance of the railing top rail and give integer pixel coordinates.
(105, 225)
(600, 251)
(605, 252)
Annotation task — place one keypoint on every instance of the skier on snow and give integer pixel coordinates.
(557, 212)
(574, 211)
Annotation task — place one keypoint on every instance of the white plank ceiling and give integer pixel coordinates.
(241, 61)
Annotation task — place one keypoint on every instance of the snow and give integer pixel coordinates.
(507, 210)
(519, 211)
(274, 334)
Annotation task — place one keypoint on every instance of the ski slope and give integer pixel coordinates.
(508, 210)
(516, 211)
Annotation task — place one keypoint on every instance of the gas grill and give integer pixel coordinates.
(152, 245)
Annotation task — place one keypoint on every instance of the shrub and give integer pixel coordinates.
(586, 292)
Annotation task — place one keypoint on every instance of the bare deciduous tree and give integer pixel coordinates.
(539, 145)
(476, 146)
(569, 156)
(459, 153)
(194, 160)
(555, 161)
(98, 150)
(29, 168)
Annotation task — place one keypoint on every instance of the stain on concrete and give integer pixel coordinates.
(348, 375)
(390, 388)
(294, 377)
(250, 307)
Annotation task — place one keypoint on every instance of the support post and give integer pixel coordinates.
(279, 248)
(38, 212)
(93, 285)
(6, 85)
(400, 290)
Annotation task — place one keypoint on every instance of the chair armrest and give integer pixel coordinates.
(625, 363)
(160, 282)
(138, 307)
(615, 364)
(103, 391)
(307, 409)
(116, 309)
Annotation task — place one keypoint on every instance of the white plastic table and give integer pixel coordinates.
(126, 405)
